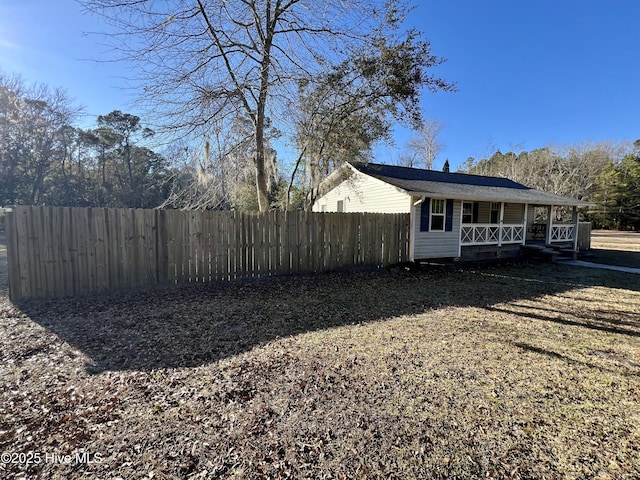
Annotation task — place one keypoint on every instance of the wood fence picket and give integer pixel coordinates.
(60, 251)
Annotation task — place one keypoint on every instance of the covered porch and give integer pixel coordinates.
(512, 223)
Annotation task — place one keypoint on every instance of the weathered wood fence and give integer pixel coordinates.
(56, 252)
(584, 236)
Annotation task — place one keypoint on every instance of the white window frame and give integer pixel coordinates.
(438, 204)
(338, 202)
(470, 213)
(497, 210)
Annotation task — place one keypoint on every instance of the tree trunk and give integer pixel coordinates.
(265, 65)
(261, 177)
(287, 204)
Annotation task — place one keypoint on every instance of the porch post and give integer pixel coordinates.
(501, 222)
(460, 229)
(549, 224)
(524, 224)
(574, 218)
(413, 212)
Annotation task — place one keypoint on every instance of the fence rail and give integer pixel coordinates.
(56, 252)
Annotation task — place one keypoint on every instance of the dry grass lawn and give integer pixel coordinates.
(524, 371)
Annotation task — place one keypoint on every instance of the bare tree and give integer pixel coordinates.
(564, 170)
(209, 59)
(425, 146)
(34, 122)
(218, 172)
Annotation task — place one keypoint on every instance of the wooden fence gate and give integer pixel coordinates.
(58, 251)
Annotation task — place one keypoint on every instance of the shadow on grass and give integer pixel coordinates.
(594, 316)
(621, 258)
(564, 358)
(195, 325)
(602, 325)
(542, 351)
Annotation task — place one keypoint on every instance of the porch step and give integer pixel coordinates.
(562, 250)
(550, 254)
(533, 248)
(540, 251)
(567, 252)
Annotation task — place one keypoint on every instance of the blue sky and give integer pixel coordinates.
(533, 73)
(529, 73)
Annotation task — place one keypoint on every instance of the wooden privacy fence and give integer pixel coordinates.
(56, 251)
(584, 236)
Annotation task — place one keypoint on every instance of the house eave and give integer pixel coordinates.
(561, 202)
(457, 191)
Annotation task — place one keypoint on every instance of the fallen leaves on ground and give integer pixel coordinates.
(529, 371)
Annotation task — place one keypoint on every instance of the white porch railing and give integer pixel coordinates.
(562, 233)
(491, 234)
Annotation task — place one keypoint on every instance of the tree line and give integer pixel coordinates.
(605, 174)
(229, 83)
(226, 82)
(46, 159)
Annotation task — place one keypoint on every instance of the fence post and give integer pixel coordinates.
(13, 265)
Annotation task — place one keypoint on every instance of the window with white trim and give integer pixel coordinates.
(467, 212)
(340, 206)
(437, 215)
(495, 212)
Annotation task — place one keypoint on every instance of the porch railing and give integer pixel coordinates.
(562, 233)
(491, 234)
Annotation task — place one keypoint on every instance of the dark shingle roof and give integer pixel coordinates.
(405, 173)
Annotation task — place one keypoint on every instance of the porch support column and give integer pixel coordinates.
(460, 229)
(549, 224)
(574, 218)
(524, 224)
(501, 222)
(414, 212)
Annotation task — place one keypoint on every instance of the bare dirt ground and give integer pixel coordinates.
(524, 371)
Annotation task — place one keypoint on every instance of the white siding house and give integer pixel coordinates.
(362, 193)
(452, 215)
(433, 243)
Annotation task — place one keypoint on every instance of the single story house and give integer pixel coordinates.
(454, 215)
